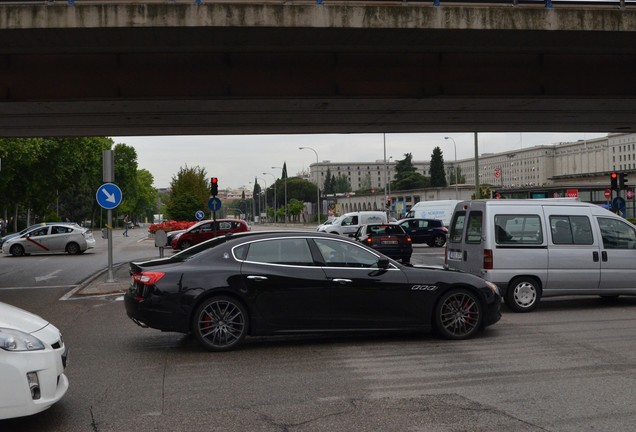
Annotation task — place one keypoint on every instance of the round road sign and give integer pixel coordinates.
(607, 193)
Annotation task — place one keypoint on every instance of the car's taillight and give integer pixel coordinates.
(408, 239)
(488, 261)
(148, 278)
(369, 240)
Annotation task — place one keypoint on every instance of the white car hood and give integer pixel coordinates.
(19, 319)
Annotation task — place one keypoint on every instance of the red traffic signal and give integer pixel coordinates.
(214, 186)
(614, 181)
(388, 203)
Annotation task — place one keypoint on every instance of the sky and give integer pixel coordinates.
(236, 160)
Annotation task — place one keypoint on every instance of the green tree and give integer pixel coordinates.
(188, 193)
(406, 175)
(342, 184)
(328, 187)
(295, 207)
(461, 179)
(438, 174)
(365, 184)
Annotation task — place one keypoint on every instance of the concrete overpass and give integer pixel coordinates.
(143, 68)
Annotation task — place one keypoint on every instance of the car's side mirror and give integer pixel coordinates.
(383, 263)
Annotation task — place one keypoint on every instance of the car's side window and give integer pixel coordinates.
(518, 229)
(290, 251)
(616, 234)
(423, 224)
(40, 232)
(571, 230)
(224, 225)
(341, 254)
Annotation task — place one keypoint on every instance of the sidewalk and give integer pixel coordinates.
(99, 284)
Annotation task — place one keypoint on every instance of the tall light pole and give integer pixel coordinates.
(275, 208)
(285, 193)
(265, 183)
(454, 166)
(317, 182)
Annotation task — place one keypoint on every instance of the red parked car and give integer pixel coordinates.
(204, 230)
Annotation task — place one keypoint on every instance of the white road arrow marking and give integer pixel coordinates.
(48, 276)
(109, 197)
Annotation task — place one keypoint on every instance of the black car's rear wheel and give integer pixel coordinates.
(220, 323)
(17, 250)
(439, 241)
(458, 314)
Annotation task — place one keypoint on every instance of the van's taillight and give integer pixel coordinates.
(148, 278)
(487, 259)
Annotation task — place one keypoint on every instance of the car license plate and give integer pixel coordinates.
(389, 242)
(455, 254)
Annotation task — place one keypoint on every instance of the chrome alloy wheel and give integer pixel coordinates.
(221, 324)
(459, 314)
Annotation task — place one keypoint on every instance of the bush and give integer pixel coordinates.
(170, 225)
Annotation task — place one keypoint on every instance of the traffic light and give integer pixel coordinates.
(614, 181)
(388, 203)
(622, 181)
(214, 186)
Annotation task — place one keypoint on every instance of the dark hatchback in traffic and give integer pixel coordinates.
(429, 231)
(389, 239)
(266, 283)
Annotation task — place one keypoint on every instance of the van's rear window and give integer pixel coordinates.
(457, 227)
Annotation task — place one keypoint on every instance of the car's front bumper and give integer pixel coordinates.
(16, 397)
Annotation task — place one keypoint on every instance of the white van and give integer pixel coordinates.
(441, 209)
(348, 223)
(539, 248)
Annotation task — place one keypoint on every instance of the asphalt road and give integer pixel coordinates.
(569, 366)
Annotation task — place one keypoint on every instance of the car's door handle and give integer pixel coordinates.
(342, 281)
(257, 278)
(595, 256)
(604, 255)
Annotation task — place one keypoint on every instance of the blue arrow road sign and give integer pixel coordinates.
(199, 215)
(214, 204)
(108, 196)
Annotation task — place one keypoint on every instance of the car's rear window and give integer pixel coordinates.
(385, 229)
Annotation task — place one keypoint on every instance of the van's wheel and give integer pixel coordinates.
(458, 314)
(220, 323)
(523, 294)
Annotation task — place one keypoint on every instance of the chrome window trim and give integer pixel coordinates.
(392, 266)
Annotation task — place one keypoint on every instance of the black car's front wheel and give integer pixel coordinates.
(458, 314)
(220, 323)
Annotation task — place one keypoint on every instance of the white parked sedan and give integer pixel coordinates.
(32, 362)
(51, 238)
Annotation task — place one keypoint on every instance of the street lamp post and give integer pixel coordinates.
(454, 166)
(285, 193)
(317, 182)
(275, 203)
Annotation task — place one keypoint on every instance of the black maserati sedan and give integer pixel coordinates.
(273, 283)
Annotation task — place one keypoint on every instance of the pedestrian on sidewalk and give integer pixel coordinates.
(126, 225)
